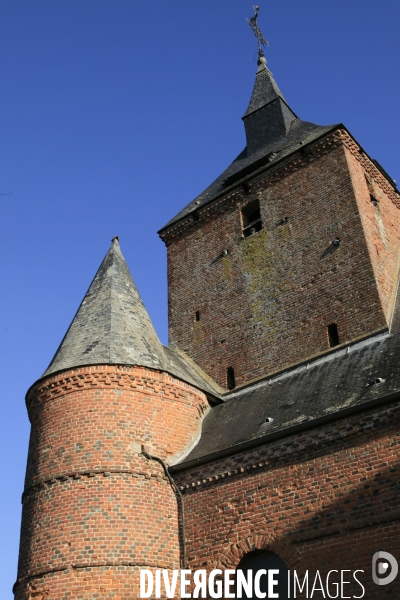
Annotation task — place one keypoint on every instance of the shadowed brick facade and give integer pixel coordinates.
(141, 457)
(323, 499)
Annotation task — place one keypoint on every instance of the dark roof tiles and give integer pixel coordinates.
(271, 127)
(368, 371)
(112, 327)
(300, 134)
(265, 90)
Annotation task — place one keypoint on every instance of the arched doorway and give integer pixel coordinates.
(255, 561)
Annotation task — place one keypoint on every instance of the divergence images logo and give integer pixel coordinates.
(384, 563)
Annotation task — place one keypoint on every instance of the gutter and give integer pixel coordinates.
(181, 507)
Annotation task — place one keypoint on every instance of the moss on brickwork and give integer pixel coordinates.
(227, 268)
(262, 282)
(284, 233)
(198, 336)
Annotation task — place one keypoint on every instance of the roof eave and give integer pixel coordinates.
(282, 433)
(257, 171)
(267, 104)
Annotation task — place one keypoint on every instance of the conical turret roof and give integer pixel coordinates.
(112, 325)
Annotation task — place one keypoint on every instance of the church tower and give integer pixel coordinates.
(291, 251)
(111, 411)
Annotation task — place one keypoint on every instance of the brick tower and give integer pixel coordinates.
(292, 250)
(95, 507)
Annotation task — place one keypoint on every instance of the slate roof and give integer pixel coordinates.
(112, 326)
(345, 379)
(270, 150)
(265, 89)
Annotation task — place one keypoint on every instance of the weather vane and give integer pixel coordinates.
(256, 30)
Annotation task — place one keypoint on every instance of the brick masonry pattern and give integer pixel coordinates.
(95, 509)
(92, 500)
(323, 499)
(266, 304)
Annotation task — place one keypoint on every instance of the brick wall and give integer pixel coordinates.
(94, 508)
(323, 499)
(106, 583)
(380, 221)
(267, 303)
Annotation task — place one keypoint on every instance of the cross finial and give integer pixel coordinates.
(256, 30)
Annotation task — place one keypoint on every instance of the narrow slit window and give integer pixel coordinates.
(230, 378)
(197, 315)
(333, 335)
(251, 218)
(374, 200)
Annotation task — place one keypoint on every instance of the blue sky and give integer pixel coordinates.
(114, 115)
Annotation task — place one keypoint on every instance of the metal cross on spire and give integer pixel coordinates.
(256, 30)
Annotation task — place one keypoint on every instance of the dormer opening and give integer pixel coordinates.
(251, 218)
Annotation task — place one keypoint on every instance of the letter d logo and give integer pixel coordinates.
(381, 561)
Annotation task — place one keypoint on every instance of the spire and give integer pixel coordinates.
(265, 88)
(273, 132)
(112, 325)
(268, 117)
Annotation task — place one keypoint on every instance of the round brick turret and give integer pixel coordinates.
(97, 506)
(95, 509)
